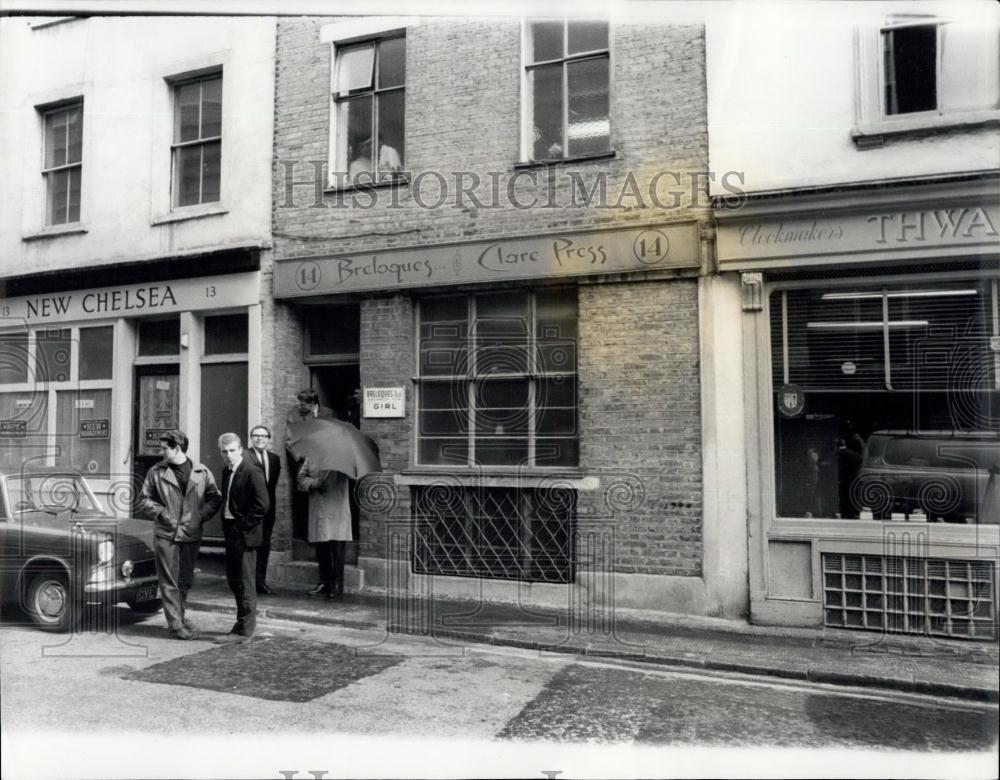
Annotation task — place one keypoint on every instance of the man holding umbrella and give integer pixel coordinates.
(332, 453)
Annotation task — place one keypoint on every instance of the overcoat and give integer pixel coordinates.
(329, 504)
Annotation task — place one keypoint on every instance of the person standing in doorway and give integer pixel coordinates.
(244, 506)
(270, 464)
(329, 525)
(178, 496)
(308, 407)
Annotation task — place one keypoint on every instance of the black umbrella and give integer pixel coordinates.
(332, 445)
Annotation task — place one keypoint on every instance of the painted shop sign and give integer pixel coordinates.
(568, 254)
(95, 429)
(134, 300)
(965, 226)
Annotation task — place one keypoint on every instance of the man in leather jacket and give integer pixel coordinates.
(178, 496)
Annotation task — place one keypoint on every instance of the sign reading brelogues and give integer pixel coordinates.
(563, 254)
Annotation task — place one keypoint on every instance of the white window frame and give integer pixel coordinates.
(202, 141)
(527, 132)
(49, 173)
(873, 122)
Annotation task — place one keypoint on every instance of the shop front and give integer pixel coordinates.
(91, 376)
(535, 403)
(872, 378)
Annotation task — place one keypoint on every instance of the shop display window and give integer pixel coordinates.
(13, 358)
(567, 76)
(887, 401)
(83, 430)
(227, 334)
(160, 338)
(96, 352)
(497, 379)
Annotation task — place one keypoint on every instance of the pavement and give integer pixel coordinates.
(961, 669)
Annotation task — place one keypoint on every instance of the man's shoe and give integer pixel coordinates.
(233, 639)
(190, 626)
(182, 633)
(336, 593)
(320, 589)
(264, 590)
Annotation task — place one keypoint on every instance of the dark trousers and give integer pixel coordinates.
(241, 569)
(175, 569)
(330, 557)
(264, 551)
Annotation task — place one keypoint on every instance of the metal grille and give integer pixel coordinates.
(935, 597)
(145, 568)
(498, 533)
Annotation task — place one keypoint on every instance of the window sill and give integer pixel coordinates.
(75, 229)
(401, 180)
(564, 160)
(498, 477)
(867, 135)
(190, 212)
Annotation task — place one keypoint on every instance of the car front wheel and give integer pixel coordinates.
(50, 602)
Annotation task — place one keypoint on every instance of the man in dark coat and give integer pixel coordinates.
(270, 464)
(244, 506)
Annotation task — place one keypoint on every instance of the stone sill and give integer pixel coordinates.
(581, 158)
(496, 478)
(75, 229)
(870, 135)
(189, 212)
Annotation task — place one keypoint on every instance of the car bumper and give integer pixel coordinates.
(114, 591)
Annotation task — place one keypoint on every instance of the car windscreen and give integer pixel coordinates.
(49, 493)
(953, 454)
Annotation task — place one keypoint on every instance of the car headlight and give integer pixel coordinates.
(106, 550)
(127, 569)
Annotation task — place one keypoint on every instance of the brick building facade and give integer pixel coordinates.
(606, 222)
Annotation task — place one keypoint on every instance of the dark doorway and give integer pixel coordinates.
(223, 409)
(156, 409)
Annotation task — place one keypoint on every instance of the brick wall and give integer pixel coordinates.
(639, 414)
(640, 427)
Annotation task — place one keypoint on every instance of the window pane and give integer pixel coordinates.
(970, 73)
(58, 198)
(188, 175)
(555, 330)
(454, 451)
(392, 62)
(333, 330)
(96, 352)
(910, 69)
(186, 120)
(587, 36)
(545, 40)
(211, 108)
(501, 333)
(55, 139)
(557, 451)
(211, 171)
(557, 391)
(501, 452)
(390, 131)
(52, 355)
(160, 337)
(501, 407)
(589, 128)
(227, 334)
(83, 431)
(23, 428)
(74, 119)
(546, 103)
(356, 122)
(354, 68)
(13, 358)
(73, 206)
(444, 337)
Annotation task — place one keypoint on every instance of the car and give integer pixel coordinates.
(948, 475)
(61, 550)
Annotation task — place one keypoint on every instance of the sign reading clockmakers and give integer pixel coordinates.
(564, 254)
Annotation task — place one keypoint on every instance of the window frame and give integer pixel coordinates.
(51, 389)
(779, 526)
(526, 152)
(338, 178)
(532, 376)
(202, 141)
(49, 172)
(874, 123)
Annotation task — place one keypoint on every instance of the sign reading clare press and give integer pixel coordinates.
(384, 402)
(564, 254)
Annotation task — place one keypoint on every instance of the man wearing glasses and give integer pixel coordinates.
(270, 464)
(178, 496)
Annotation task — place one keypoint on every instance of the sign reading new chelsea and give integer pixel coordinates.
(568, 254)
(134, 300)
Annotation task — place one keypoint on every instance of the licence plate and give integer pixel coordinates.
(146, 594)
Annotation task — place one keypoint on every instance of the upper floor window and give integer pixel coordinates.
(567, 72)
(919, 72)
(368, 108)
(197, 145)
(63, 163)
